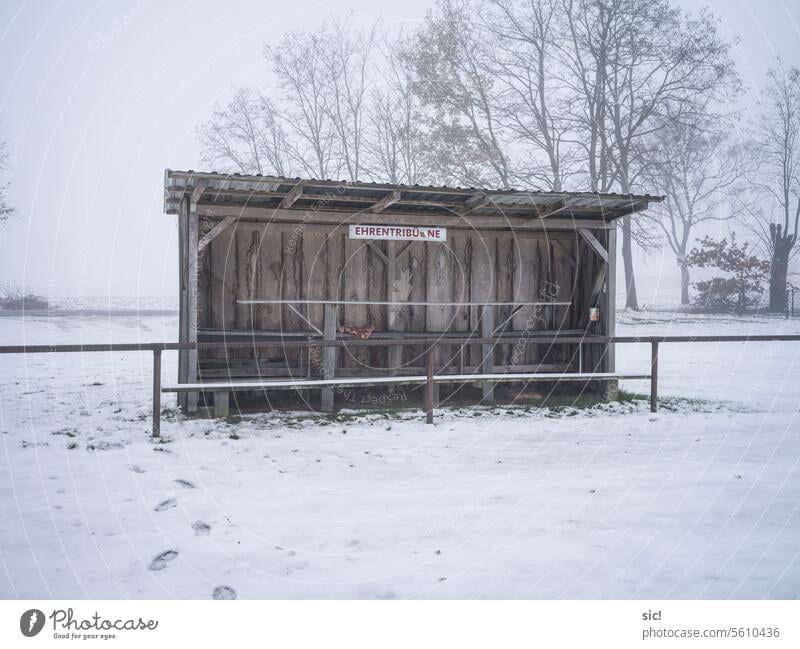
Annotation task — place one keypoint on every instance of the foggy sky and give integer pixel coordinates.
(97, 99)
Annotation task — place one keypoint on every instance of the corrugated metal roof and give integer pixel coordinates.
(268, 192)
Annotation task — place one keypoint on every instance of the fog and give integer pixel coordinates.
(97, 99)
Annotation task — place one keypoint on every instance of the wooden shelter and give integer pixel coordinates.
(265, 258)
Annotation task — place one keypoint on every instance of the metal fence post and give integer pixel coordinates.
(429, 386)
(156, 393)
(653, 376)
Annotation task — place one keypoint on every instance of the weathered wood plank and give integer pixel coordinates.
(394, 293)
(268, 286)
(356, 285)
(506, 272)
(314, 286)
(377, 292)
(246, 254)
(483, 283)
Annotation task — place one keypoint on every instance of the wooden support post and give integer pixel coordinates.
(221, 403)
(183, 320)
(328, 357)
(653, 376)
(609, 314)
(429, 397)
(305, 364)
(487, 350)
(191, 295)
(156, 393)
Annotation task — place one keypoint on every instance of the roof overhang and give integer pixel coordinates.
(257, 197)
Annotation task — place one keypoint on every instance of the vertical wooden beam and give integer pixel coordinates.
(429, 395)
(654, 376)
(191, 295)
(156, 393)
(221, 403)
(609, 312)
(328, 357)
(487, 351)
(183, 319)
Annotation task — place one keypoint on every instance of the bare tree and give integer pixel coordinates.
(394, 141)
(778, 139)
(700, 167)
(533, 99)
(348, 54)
(455, 79)
(5, 209)
(301, 64)
(246, 136)
(633, 58)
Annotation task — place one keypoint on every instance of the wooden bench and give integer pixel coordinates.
(222, 389)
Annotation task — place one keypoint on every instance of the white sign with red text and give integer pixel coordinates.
(399, 232)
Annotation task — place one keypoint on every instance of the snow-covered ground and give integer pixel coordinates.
(700, 500)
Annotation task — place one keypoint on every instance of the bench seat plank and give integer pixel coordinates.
(292, 384)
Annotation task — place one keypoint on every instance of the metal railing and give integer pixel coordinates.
(431, 343)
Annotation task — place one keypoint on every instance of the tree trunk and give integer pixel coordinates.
(684, 284)
(782, 245)
(777, 277)
(631, 301)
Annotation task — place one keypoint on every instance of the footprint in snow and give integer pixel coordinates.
(161, 561)
(166, 504)
(223, 592)
(135, 468)
(201, 529)
(185, 483)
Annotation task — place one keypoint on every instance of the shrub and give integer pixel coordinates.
(738, 292)
(14, 299)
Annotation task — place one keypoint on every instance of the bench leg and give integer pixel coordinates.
(611, 391)
(328, 358)
(487, 352)
(221, 403)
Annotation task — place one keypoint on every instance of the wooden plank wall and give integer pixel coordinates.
(264, 261)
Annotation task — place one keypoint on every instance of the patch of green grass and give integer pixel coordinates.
(169, 411)
(623, 396)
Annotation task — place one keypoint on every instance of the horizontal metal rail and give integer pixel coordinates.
(430, 377)
(299, 384)
(303, 344)
(398, 304)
